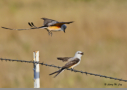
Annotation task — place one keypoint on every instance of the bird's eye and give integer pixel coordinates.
(79, 53)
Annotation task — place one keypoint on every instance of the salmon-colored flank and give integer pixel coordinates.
(53, 27)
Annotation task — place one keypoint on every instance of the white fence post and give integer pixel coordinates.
(36, 70)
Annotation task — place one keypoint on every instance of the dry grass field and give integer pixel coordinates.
(99, 30)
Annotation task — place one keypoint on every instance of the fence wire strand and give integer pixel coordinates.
(50, 65)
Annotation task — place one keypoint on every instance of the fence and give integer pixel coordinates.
(36, 63)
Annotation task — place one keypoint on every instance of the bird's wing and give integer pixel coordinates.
(49, 22)
(61, 23)
(67, 65)
(71, 63)
(64, 59)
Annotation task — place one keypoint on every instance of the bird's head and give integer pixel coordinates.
(63, 27)
(78, 54)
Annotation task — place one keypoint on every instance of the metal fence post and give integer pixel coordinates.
(36, 69)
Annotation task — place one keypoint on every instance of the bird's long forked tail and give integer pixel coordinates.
(18, 29)
(31, 24)
(58, 72)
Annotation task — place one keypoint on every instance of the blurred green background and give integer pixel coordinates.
(99, 30)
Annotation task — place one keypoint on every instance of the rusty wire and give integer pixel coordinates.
(49, 65)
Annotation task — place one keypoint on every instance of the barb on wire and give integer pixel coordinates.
(61, 67)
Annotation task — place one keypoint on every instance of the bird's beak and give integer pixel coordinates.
(82, 53)
(64, 31)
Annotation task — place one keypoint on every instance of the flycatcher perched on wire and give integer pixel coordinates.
(72, 62)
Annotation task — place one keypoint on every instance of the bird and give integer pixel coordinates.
(72, 62)
(49, 24)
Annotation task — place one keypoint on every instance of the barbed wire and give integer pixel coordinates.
(50, 65)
